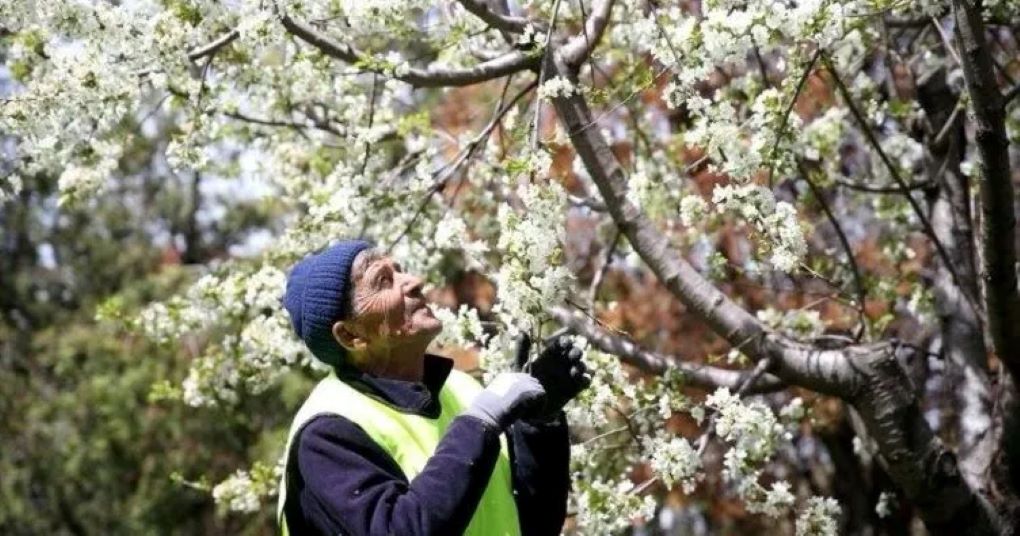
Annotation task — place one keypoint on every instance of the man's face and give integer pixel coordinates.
(387, 304)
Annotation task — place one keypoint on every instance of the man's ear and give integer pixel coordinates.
(347, 338)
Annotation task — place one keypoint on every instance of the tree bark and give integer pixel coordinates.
(504, 65)
(998, 233)
(697, 374)
(962, 333)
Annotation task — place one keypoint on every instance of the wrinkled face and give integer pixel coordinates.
(387, 304)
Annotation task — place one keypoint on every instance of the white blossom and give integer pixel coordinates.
(244, 491)
(237, 493)
(674, 460)
(819, 518)
(556, 87)
(692, 210)
(884, 506)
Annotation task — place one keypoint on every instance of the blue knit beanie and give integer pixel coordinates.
(317, 296)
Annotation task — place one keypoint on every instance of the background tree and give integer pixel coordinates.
(785, 231)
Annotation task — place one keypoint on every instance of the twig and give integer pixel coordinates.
(945, 41)
(446, 172)
(546, 55)
(214, 46)
(596, 281)
(587, 41)
(618, 105)
(918, 185)
(371, 119)
(299, 127)
(940, 138)
(757, 372)
(894, 172)
(786, 113)
(844, 242)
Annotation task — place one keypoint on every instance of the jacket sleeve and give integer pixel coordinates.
(352, 486)
(541, 475)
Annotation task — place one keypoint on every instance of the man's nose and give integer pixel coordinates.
(411, 284)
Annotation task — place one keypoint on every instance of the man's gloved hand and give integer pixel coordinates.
(510, 396)
(560, 370)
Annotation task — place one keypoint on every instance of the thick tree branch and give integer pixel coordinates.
(868, 376)
(504, 65)
(699, 375)
(913, 456)
(998, 232)
(506, 23)
(825, 371)
(575, 51)
(961, 328)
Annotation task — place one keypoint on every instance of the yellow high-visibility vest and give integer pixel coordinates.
(411, 440)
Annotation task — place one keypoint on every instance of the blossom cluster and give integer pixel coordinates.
(531, 274)
(674, 460)
(819, 518)
(754, 434)
(461, 328)
(244, 491)
(255, 343)
(799, 323)
(556, 87)
(610, 507)
(775, 220)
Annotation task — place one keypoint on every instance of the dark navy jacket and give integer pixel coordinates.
(340, 482)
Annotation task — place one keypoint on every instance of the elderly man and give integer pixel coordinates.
(395, 441)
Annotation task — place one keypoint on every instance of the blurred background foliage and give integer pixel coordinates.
(88, 446)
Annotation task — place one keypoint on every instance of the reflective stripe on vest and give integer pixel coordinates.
(411, 440)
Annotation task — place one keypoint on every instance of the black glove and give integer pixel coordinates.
(559, 369)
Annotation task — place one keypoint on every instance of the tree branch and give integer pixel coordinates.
(881, 189)
(214, 46)
(844, 242)
(998, 231)
(1011, 94)
(504, 65)
(499, 21)
(698, 375)
(825, 371)
(465, 154)
(868, 376)
(600, 274)
(913, 456)
(962, 333)
(579, 47)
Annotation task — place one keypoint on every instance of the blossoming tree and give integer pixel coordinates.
(824, 187)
